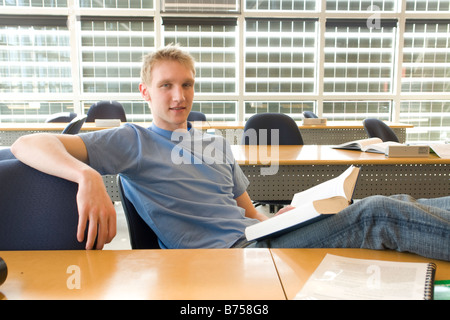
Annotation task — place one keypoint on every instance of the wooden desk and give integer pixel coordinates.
(295, 266)
(142, 274)
(296, 168)
(206, 274)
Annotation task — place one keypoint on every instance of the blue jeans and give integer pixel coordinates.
(397, 222)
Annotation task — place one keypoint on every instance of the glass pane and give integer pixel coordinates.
(34, 3)
(130, 4)
(217, 110)
(359, 59)
(281, 5)
(356, 110)
(362, 5)
(214, 48)
(426, 57)
(280, 56)
(112, 52)
(428, 5)
(292, 108)
(30, 112)
(223, 6)
(35, 60)
(431, 120)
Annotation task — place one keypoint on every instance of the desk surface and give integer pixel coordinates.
(253, 274)
(295, 266)
(319, 155)
(197, 124)
(142, 274)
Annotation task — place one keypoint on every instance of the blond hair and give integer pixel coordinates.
(169, 52)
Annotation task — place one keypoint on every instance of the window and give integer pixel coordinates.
(281, 5)
(430, 119)
(293, 108)
(357, 110)
(428, 5)
(426, 56)
(34, 3)
(212, 43)
(357, 58)
(362, 5)
(342, 59)
(117, 4)
(199, 6)
(112, 52)
(280, 56)
(34, 64)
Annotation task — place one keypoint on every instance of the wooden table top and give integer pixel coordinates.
(319, 155)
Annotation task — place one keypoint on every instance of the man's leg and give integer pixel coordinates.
(397, 222)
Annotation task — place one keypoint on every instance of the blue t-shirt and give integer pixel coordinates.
(183, 184)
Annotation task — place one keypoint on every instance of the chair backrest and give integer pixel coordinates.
(378, 129)
(75, 125)
(106, 110)
(196, 116)
(141, 235)
(309, 114)
(61, 117)
(37, 211)
(6, 154)
(288, 131)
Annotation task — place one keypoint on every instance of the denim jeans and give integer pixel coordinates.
(397, 222)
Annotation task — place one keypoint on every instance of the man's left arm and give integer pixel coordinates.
(246, 203)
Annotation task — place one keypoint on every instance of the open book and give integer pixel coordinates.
(341, 278)
(311, 205)
(375, 145)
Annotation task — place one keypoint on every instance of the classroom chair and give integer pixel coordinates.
(196, 116)
(309, 114)
(37, 211)
(378, 129)
(106, 110)
(141, 235)
(61, 117)
(75, 125)
(289, 134)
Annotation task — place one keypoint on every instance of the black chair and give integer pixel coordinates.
(378, 129)
(106, 110)
(289, 134)
(61, 117)
(196, 116)
(258, 130)
(37, 211)
(6, 154)
(309, 114)
(141, 235)
(75, 125)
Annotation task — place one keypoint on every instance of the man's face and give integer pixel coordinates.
(170, 94)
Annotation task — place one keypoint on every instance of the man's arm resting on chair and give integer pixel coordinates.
(65, 156)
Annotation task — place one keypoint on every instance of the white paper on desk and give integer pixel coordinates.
(340, 278)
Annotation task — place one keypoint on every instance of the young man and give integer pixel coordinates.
(195, 197)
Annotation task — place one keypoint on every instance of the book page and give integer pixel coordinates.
(442, 150)
(358, 144)
(328, 189)
(340, 278)
(380, 147)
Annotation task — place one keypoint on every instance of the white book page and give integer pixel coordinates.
(340, 278)
(325, 190)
